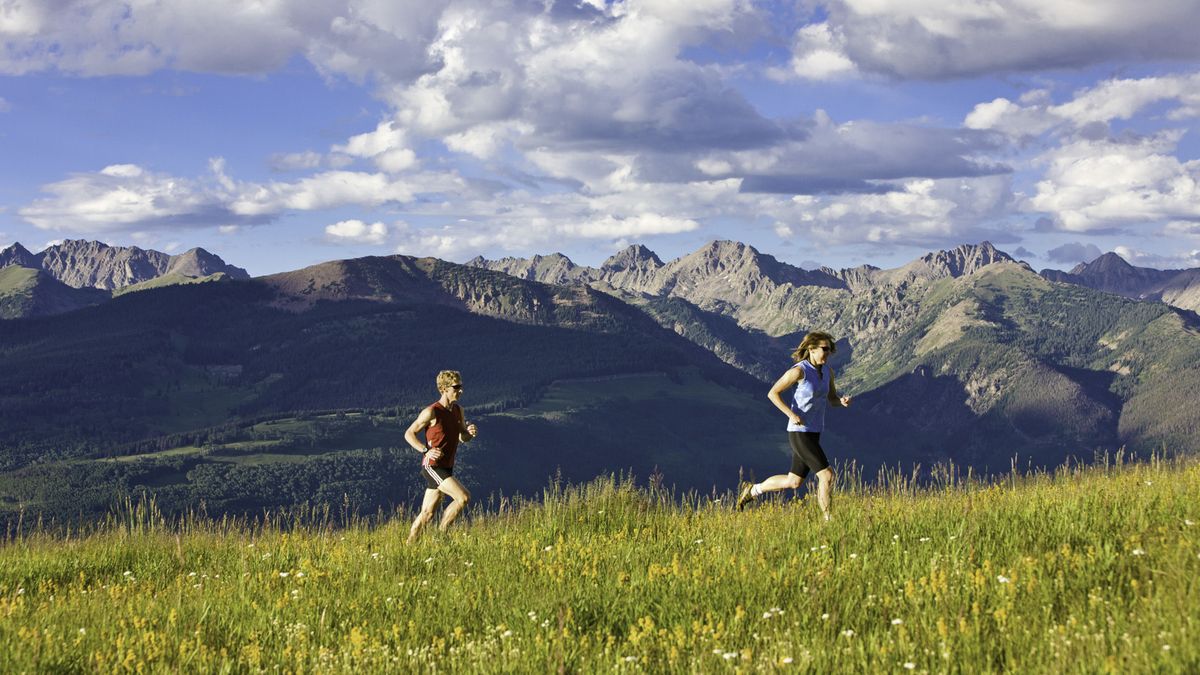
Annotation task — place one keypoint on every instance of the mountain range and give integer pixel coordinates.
(1112, 274)
(256, 393)
(69, 274)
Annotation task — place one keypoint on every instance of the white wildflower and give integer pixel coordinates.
(1138, 551)
(897, 622)
(909, 665)
(1003, 579)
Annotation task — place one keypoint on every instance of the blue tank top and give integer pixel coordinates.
(811, 397)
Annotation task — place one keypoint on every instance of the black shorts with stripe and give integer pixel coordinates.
(807, 453)
(435, 476)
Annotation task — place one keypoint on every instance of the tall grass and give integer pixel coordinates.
(1083, 570)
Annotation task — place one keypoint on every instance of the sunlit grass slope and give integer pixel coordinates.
(1086, 571)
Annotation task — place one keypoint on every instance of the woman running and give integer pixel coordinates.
(813, 380)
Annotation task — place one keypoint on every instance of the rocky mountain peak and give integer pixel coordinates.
(966, 258)
(18, 255)
(82, 263)
(1109, 263)
(953, 263)
(635, 256)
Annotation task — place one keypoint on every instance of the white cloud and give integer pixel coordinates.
(5, 106)
(537, 232)
(321, 191)
(641, 225)
(1106, 102)
(386, 146)
(924, 212)
(1105, 184)
(819, 53)
(1010, 118)
(1140, 258)
(357, 232)
(1122, 99)
(927, 40)
(127, 197)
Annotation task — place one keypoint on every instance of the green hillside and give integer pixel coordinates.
(1087, 571)
(170, 279)
(26, 292)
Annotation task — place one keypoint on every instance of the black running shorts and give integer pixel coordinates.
(434, 476)
(807, 453)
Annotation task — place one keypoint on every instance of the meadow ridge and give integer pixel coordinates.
(1082, 571)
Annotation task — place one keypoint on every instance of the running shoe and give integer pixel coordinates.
(746, 496)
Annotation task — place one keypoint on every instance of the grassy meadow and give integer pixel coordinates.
(1082, 571)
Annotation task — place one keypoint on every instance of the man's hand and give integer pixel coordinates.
(845, 401)
(795, 419)
(472, 429)
(434, 454)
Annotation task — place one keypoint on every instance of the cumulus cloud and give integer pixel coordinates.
(819, 53)
(386, 146)
(356, 232)
(1139, 258)
(924, 212)
(1106, 184)
(514, 234)
(932, 40)
(1074, 252)
(127, 197)
(109, 37)
(1108, 101)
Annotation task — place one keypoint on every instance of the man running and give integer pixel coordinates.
(445, 427)
(813, 380)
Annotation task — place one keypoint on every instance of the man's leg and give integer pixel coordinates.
(461, 497)
(428, 506)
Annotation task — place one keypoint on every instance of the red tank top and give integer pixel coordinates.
(443, 434)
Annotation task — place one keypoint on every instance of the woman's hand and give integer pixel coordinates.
(795, 419)
(845, 400)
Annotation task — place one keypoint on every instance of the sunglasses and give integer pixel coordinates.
(456, 387)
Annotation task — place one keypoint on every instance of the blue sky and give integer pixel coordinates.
(281, 134)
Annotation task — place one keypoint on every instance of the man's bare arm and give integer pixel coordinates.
(423, 421)
(469, 430)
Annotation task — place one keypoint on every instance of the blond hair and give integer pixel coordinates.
(447, 379)
(810, 341)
